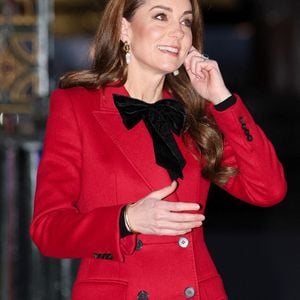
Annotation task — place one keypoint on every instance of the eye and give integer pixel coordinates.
(161, 17)
(187, 22)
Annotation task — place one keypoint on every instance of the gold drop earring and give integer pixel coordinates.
(126, 48)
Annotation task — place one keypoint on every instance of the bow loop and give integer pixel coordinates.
(131, 113)
(174, 113)
(161, 119)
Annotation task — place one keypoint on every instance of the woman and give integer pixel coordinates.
(123, 181)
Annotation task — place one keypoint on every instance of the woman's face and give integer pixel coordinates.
(159, 35)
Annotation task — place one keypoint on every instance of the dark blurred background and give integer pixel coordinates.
(257, 45)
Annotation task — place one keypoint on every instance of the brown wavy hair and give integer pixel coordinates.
(109, 66)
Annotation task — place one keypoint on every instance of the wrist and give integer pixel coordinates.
(128, 224)
(221, 97)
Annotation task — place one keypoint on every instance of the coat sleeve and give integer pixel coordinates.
(261, 179)
(58, 228)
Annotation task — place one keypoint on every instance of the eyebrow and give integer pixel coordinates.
(187, 12)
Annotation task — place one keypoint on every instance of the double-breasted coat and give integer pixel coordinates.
(92, 166)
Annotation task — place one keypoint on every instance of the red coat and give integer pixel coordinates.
(92, 165)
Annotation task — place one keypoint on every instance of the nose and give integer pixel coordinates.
(176, 30)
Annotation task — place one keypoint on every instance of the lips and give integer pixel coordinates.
(170, 49)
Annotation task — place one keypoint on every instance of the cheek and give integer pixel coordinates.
(146, 38)
(153, 34)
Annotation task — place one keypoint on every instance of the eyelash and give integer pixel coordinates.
(163, 17)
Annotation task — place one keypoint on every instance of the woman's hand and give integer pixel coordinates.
(152, 215)
(206, 77)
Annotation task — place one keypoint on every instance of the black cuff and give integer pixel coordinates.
(123, 230)
(226, 103)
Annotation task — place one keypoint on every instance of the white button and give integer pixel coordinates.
(189, 292)
(183, 242)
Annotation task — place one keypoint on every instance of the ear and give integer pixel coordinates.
(125, 31)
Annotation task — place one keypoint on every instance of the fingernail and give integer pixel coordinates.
(198, 206)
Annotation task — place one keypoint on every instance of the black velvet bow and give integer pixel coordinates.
(161, 119)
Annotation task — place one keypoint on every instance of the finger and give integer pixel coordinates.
(199, 71)
(193, 51)
(192, 73)
(177, 226)
(187, 64)
(196, 66)
(200, 60)
(190, 62)
(164, 192)
(180, 206)
(185, 217)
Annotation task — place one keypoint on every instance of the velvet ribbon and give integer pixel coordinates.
(161, 118)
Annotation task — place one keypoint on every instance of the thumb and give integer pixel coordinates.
(164, 192)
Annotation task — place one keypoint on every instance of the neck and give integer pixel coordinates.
(148, 89)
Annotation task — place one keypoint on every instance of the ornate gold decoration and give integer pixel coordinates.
(18, 66)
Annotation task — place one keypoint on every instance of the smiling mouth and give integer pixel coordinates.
(169, 49)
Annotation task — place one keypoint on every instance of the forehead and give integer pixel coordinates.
(175, 5)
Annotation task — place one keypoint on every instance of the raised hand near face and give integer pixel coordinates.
(153, 215)
(206, 77)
